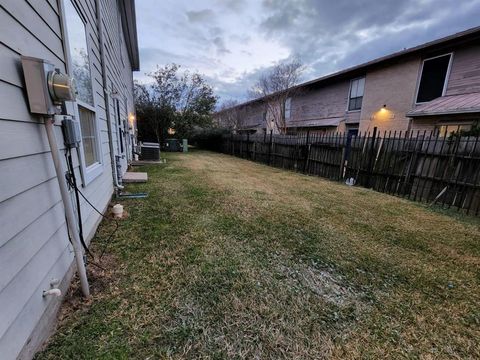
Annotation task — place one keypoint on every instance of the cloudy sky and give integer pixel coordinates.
(232, 41)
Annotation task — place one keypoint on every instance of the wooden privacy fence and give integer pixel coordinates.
(419, 166)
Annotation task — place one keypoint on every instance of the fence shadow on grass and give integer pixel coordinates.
(419, 166)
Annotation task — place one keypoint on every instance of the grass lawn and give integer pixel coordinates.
(228, 259)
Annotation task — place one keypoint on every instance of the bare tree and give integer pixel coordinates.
(229, 115)
(276, 87)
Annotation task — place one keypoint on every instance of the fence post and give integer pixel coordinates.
(270, 148)
(344, 154)
(371, 157)
(412, 165)
(248, 145)
(241, 147)
(307, 146)
(232, 146)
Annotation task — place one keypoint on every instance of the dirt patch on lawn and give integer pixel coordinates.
(325, 283)
(101, 277)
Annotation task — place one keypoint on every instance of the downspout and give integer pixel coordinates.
(106, 95)
(69, 214)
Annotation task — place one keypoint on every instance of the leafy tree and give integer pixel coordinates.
(173, 100)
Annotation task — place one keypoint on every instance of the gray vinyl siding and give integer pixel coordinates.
(34, 245)
(329, 102)
(252, 115)
(465, 72)
(118, 67)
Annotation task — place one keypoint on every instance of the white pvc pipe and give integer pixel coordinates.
(62, 182)
(52, 292)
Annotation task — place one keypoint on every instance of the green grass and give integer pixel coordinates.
(228, 259)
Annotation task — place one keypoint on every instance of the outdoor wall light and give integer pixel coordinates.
(131, 119)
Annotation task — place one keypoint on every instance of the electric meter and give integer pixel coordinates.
(60, 87)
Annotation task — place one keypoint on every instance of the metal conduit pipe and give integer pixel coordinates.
(106, 95)
(72, 225)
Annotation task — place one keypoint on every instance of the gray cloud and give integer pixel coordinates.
(232, 5)
(330, 35)
(201, 16)
(220, 45)
(238, 40)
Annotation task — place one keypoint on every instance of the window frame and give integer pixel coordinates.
(289, 102)
(350, 93)
(455, 124)
(91, 172)
(445, 83)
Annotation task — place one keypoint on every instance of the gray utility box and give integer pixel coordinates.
(71, 131)
(46, 87)
(36, 73)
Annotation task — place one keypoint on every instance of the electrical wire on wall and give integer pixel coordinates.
(117, 225)
(72, 182)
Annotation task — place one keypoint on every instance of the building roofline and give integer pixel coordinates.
(466, 35)
(129, 24)
(413, 114)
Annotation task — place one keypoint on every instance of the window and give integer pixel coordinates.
(79, 68)
(87, 124)
(288, 108)
(357, 87)
(77, 43)
(448, 130)
(433, 78)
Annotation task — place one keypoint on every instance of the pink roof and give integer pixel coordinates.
(446, 105)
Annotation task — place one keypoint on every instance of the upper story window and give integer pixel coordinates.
(433, 78)
(79, 68)
(357, 87)
(288, 108)
(77, 44)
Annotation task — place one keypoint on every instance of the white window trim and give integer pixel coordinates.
(350, 92)
(91, 172)
(447, 76)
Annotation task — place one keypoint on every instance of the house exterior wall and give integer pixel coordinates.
(120, 80)
(393, 86)
(34, 245)
(465, 72)
(252, 115)
(328, 102)
(464, 78)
